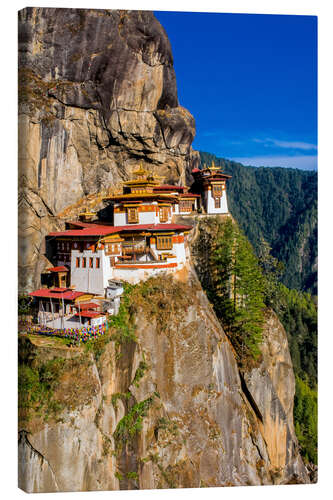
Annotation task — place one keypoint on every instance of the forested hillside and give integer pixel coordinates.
(239, 286)
(277, 210)
(280, 206)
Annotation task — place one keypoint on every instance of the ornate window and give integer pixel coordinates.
(164, 214)
(164, 243)
(217, 190)
(132, 214)
(217, 202)
(185, 205)
(112, 248)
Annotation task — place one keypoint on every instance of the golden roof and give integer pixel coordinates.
(86, 213)
(143, 178)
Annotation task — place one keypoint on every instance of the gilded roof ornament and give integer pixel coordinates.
(141, 173)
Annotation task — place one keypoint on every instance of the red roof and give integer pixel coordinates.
(88, 314)
(195, 170)
(91, 230)
(57, 269)
(153, 227)
(105, 230)
(87, 305)
(56, 293)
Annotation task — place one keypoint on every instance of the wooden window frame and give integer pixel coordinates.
(91, 262)
(217, 191)
(132, 215)
(84, 262)
(77, 261)
(186, 206)
(217, 202)
(98, 263)
(164, 214)
(164, 243)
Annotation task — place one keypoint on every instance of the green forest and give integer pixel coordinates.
(278, 205)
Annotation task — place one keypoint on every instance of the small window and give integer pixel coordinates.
(185, 205)
(77, 261)
(217, 202)
(98, 261)
(164, 243)
(91, 262)
(133, 216)
(164, 214)
(84, 262)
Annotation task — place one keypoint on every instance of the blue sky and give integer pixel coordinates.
(250, 81)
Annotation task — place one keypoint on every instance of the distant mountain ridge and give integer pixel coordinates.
(279, 205)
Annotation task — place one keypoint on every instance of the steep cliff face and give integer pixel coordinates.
(167, 410)
(97, 94)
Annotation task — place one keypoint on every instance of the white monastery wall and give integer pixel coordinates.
(89, 279)
(120, 219)
(210, 203)
(134, 275)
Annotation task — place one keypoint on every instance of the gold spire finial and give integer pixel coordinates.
(140, 172)
(214, 167)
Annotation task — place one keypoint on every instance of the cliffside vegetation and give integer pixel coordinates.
(240, 286)
(298, 314)
(278, 205)
(234, 282)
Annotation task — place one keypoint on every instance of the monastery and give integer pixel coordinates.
(92, 258)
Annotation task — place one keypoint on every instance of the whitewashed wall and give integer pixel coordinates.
(121, 219)
(210, 203)
(91, 280)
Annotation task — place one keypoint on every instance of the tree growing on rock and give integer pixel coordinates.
(239, 289)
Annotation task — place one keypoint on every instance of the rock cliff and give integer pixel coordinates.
(166, 408)
(97, 94)
(158, 402)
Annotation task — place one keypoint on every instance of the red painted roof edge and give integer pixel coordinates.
(115, 229)
(57, 269)
(95, 230)
(89, 314)
(46, 292)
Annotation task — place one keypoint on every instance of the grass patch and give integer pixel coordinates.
(163, 300)
(36, 387)
(141, 370)
(122, 325)
(120, 395)
(131, 423)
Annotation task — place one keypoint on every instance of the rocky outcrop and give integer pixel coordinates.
(97, 94)
(272, 387)
(167, 410)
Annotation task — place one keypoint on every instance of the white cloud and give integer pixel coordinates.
(306, 146)
(303, 162)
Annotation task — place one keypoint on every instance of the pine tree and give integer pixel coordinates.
(239, 289)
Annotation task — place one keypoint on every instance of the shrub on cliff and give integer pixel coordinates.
(305, 414)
